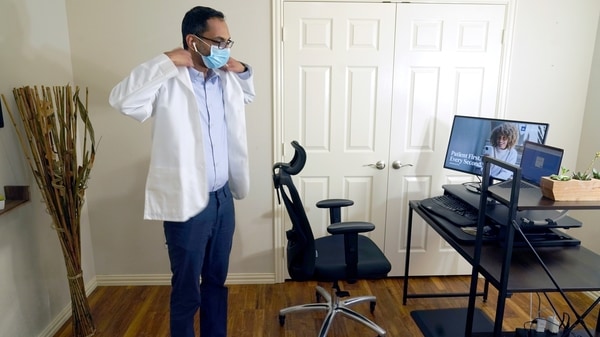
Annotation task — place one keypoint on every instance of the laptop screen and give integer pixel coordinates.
(539, 160)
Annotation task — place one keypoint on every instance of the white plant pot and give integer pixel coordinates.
(2, 204)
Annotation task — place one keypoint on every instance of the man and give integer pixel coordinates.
(199, 161)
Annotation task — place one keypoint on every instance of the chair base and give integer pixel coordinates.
(333, 306)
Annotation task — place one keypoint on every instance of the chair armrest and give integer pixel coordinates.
(350, 231)
(330, 203)
(350, 227)
(335, 205)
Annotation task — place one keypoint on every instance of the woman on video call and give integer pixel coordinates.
(504, 137)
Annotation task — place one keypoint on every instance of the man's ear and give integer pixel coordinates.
(190, 41)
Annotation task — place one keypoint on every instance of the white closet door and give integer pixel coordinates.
(447, 62)
(337, 102)
(380, 82)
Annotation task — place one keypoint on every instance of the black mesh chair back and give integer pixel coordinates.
(301, 242)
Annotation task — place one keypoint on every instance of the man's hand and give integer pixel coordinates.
(180, 57)
(234, 65)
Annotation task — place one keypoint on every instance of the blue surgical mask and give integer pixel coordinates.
(217, 58)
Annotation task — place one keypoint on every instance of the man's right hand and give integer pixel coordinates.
(180, 57)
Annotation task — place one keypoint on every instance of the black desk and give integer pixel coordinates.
(573, 268)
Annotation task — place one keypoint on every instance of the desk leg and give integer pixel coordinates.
(486, 288)
(502, 290)
(581, 317)
(407, 257)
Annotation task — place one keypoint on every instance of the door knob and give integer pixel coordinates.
(380, 165)
(398, 165)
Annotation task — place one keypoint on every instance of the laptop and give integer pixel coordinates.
(537, 161)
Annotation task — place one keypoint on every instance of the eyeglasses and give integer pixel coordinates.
(219, 44)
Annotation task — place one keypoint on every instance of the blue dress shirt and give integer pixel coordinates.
(209, 95)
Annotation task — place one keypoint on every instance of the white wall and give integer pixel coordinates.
(550, 65)
(108, 39)
(33, 285)
(96, 43)
(551, 77)
(589, 145)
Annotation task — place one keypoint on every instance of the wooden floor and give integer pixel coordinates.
(140, 311)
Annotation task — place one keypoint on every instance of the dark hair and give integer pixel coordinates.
(194, 21)
(508, 130)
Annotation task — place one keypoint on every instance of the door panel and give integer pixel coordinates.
(337, 101)
(447, 62)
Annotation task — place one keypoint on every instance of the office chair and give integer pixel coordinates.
(343, 256)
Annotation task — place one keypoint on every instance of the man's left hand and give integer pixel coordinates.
(234, 65)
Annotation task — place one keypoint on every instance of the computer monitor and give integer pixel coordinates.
(473, 137)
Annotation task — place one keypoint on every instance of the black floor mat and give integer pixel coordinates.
(450, 322)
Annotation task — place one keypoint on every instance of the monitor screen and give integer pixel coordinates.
(473, 137)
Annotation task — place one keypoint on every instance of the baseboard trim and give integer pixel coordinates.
(256, 278)
(165, 279)
(134, 280)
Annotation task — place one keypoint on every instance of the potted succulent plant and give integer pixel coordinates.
(576, 186)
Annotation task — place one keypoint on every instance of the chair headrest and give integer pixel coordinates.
(293, 167)
(296, 164)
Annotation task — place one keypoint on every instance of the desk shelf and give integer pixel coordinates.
(15, 196)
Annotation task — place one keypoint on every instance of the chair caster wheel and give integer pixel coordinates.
(281, 320)
(372, 308)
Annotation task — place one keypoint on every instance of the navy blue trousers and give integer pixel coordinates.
(199, 249)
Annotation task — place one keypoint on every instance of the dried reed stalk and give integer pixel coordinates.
(49, 135)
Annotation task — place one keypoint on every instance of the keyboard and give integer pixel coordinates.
(452, 209)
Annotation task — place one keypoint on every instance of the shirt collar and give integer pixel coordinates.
(198, 76)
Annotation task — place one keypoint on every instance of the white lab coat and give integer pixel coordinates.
(176, 186)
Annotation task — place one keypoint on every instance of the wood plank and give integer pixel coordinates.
(139, 311)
